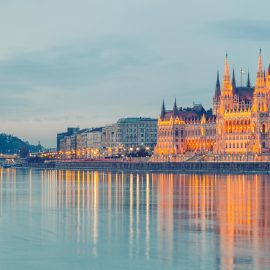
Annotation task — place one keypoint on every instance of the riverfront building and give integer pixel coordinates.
(109, 136)
(136, 132)
(238, 127)
(81, 144)
(60, 136)
(88, 142)
(126, 135)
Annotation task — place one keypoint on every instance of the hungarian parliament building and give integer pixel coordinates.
(236, 128)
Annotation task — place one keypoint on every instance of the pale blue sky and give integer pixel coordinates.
(87, 63)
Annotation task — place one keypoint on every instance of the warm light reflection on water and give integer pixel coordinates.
(101, 220)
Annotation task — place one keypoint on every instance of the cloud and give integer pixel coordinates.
(250, 30)
(88, 62)
(46, 81)
(76, 64)
(86, 83)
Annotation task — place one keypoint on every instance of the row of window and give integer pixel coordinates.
(141, 138)
(243, 137)
(236, 145)
(142, 135)
(237, 130)
(137, 130)
(140, 125)
(240, 145)
(208, 132)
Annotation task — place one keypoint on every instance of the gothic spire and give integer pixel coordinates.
(227, 89)
(163, 110)
(233, 80)
(248, 80)
(260, 75)
(175, 108)
(217, 91)
(226, 76)
(218, 83)
(260, 66)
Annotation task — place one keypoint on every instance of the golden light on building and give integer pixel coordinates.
(237, 128)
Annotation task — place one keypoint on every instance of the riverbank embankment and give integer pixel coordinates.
(179, 167)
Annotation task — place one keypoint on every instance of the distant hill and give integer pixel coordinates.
(12, 145)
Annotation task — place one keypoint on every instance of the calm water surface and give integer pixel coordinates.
(101, 220)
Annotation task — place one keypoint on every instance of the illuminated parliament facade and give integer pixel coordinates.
(236, 128)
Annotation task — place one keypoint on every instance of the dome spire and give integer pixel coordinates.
(227, 88)
(226, 76)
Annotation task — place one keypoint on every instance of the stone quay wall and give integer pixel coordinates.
(179, 167)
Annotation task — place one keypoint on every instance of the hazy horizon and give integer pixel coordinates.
(88, 63)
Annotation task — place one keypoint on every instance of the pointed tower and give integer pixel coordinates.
(259, 85)
(216, 96)
(259, 104)
(226, 86)
(259, 108)
(175, 109)
(217, 91)
(233, 82)
(163, 110)
(248, 80)
(226, 99)
(268, 80)
(203, 119)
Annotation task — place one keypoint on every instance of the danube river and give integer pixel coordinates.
(53, 219)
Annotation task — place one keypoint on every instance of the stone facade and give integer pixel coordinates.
(109, 136)
(136, 132)
(237, 128)
(94, 138)
(88, 142)
(112, 140)
(61, 136)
